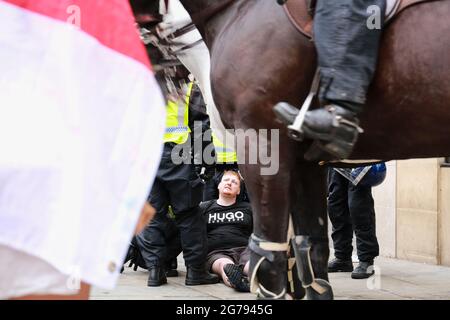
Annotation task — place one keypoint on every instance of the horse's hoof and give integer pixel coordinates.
(312, 294)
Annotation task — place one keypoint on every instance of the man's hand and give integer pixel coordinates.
(147, 214)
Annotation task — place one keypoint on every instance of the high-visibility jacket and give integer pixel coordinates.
(177, 119)
(223, 153)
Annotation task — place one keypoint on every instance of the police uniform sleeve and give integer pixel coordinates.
(200, 127)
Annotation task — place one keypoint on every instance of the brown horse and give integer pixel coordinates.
(258, 59)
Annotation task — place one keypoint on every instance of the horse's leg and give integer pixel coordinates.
(268, 244)
(245, 90)
(309, 216)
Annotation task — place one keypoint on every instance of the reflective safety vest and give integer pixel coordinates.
(223, 154)
(177, 121)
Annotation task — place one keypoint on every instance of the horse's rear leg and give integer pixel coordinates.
(268, 244)
(309, 216)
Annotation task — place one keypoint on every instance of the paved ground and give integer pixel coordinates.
(395, 279)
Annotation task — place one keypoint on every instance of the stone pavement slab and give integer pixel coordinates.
(394, 280)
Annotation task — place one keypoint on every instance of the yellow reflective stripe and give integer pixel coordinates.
(226, 157)
(223, 154)
(188, 97)
(171, 110)
(177, 120)
(177, 129)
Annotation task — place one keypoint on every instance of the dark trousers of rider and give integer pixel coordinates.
(351, 209)
(347, 41)
(181, 188)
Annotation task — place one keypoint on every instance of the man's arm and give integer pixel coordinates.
(201, 134)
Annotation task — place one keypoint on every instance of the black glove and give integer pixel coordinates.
(205, 172)
(135, 258)
(210, 171)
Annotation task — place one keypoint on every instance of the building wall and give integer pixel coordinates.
(417, 210)
(413, 211)
(385, 209)
(444, 218)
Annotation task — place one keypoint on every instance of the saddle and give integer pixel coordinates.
(301, 12)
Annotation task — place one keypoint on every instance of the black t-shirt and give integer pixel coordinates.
(227, 226)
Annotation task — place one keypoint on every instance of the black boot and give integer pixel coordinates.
(336, 127)
(338, 265)
(363, 270)
(197, 275)
(171, 268)
(156, 276)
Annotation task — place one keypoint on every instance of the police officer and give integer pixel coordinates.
(347, 56)
(351, 209)
(179, 186)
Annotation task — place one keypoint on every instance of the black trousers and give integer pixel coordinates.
(351, 209)
(181, 188)
(347, 49)
(173, 242)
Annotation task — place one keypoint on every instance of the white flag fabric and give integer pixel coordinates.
(81, 126)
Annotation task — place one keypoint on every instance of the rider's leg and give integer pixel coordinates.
(347, 55)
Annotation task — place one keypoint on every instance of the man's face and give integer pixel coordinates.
(230, 185)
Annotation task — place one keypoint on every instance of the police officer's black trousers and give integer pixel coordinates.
(179, 187)
(347, 47)
(351, 209)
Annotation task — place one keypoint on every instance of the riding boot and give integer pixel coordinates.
(197, 275)
(336, 126)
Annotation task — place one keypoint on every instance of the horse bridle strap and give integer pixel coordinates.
(188, 46)
(182, 31)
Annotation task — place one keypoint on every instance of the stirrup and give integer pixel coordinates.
(295, 130)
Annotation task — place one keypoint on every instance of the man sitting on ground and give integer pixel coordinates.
(229, 226)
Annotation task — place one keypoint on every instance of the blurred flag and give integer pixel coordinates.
(81, 126)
